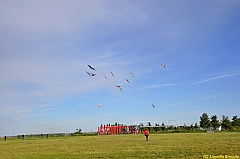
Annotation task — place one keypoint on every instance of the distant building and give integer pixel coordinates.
(219, 128)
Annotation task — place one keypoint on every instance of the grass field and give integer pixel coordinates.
(169, 145)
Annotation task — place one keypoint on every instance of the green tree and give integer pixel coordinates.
(191, 127)
(184, 125)
(163, 127)
(204, 121)
(79, 131)
(214, 122)
(226, 124)
(170, 127)
(149, 124)
(235, 121)
(196, 126)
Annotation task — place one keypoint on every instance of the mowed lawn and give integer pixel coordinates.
(169, 145)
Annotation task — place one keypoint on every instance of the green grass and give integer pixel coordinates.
(171, 145)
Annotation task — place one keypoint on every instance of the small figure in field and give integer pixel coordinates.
(47, 136)
(5, 138)
(23, 136)
(146, 133)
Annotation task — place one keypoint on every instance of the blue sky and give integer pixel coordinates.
(46, 46)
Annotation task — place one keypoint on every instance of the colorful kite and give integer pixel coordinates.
(162, 64)
(91, 74)
(133, 76)
(91, 67)
(119, 88)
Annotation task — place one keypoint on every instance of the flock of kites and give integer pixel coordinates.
(119, 87)
(92, 74)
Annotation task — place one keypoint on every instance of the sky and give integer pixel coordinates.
(46, 46)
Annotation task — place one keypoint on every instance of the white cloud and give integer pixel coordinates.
(199, 99)
(160, 85)
(175, 104)
(213, 96)
(225, 75)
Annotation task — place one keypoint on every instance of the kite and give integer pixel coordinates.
(91, 74)
(100, 105)
(112, 74)
(153, 106)
(119, 88)
(91, 67)
(104, 75)
(127, 80)
(132, 75)
(162, 64)
(214, 97)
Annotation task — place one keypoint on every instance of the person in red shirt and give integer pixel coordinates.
(146, 133)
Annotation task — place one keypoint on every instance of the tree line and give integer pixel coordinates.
(225, 123)
(205, 123)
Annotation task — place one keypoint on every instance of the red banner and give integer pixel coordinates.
(116, 130)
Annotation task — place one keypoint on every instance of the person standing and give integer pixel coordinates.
(146, 133)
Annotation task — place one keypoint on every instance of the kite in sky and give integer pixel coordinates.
(153, 106)
(132, 75)
(104, 75)
(162, 64)
(127, 80)
(91, 67)
(100, 105)
(112, 74)
(119, 88)
(91, 74)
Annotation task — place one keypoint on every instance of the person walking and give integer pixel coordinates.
(146, 133)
